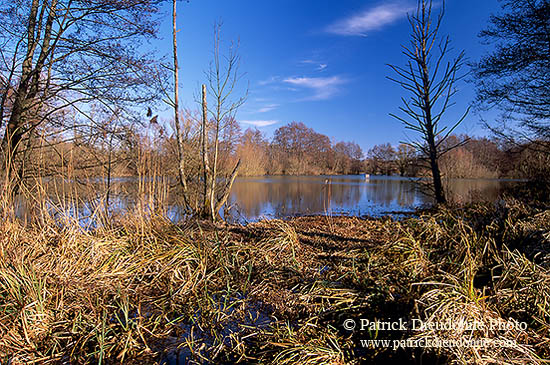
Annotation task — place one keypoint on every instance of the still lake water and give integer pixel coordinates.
(284, 196)
(255, 198)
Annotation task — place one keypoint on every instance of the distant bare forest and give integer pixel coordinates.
(294, 149)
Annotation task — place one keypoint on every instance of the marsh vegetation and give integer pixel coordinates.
(115, 239)
(143, 289)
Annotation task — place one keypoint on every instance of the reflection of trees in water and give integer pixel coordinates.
(407, 193)
(86, 198)
(284, 196)
(386, 192)
(468, 191)
(277, 196)
(344, 195)
(289, 196)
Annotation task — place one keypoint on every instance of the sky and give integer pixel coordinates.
(321, 62)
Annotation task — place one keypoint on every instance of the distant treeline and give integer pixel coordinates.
(471, 157)
(296, 149)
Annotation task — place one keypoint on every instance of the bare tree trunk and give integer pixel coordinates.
(430, 136)
(206, 206)
(109, 172)
(427, 108)
(227, 188)
(179, 137)
(221, 84)
(28, 87)
(432, 85)
(13, 133)
(436, 173)
(214, 171)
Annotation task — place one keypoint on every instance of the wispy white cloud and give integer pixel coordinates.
(268, 108)
(371, 19)
(323, 87)
(259, 123)
(260, 100)
(320, 66)
(271, 80)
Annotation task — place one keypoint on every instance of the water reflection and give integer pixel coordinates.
(281, 196)
(263, 197)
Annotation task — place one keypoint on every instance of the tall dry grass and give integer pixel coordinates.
(135, 287)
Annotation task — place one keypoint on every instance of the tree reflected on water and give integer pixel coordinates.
(282, 196)
(269, 197)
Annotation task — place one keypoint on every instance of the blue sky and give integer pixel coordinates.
(322, 62)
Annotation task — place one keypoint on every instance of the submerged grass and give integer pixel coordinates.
(143, 290)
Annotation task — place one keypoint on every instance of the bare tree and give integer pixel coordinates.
(382, 158)
(431, 81)
(222, 77)
(60, 58)
(177, 121)
(515, 75)
(211, 189)
(301, 150)
(253, 152)
(405, 157)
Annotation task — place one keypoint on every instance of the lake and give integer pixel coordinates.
(283, 196)
(254, 198)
